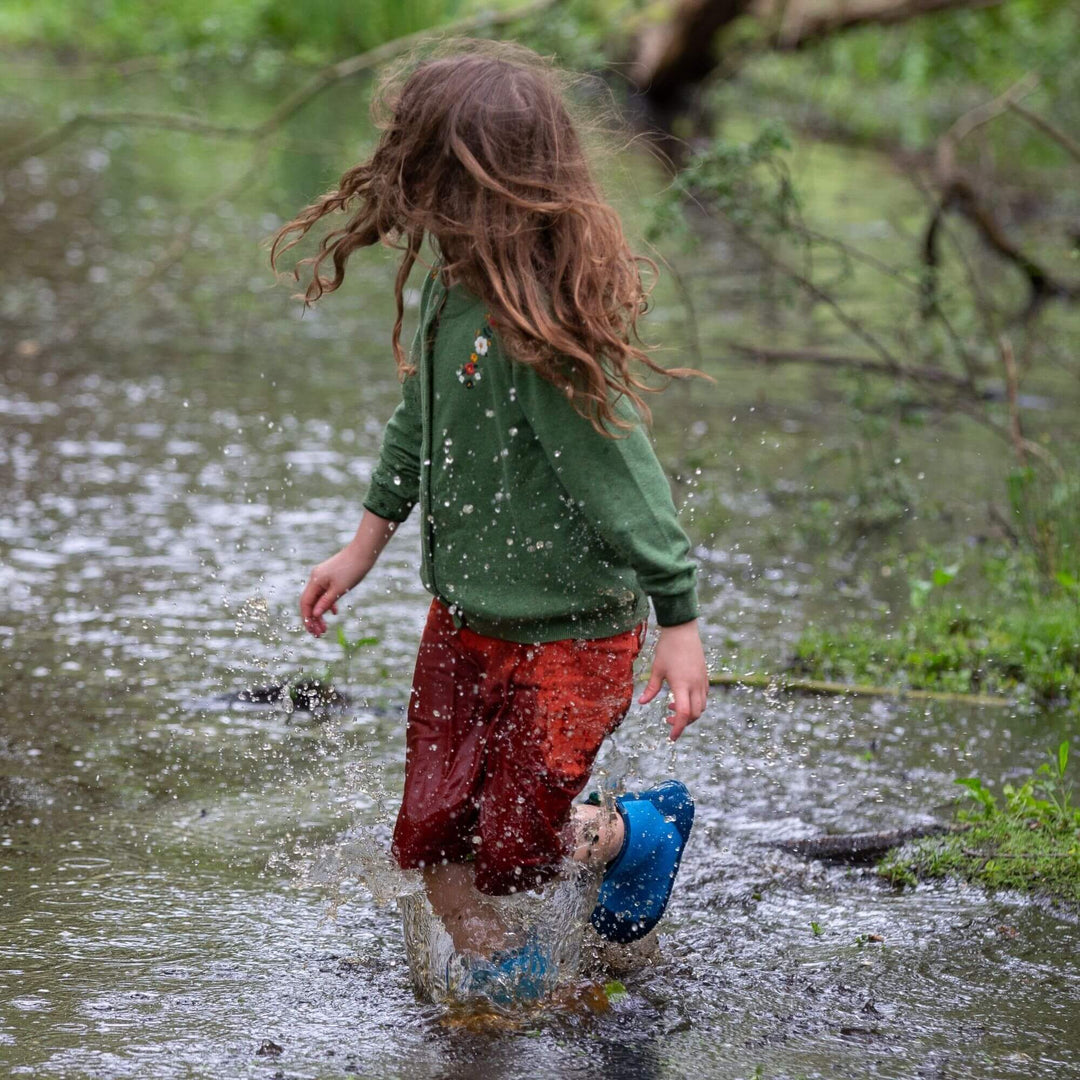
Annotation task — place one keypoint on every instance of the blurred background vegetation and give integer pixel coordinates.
(870, 225)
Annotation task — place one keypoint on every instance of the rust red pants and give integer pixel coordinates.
(501, 737)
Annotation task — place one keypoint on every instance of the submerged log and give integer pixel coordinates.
(858, 848)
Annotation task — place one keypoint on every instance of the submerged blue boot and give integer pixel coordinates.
(512, 976)
(638, 882)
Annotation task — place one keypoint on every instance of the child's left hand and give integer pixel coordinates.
(679, 661)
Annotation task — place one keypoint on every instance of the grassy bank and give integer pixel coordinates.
(995, 625)
(1028, 839)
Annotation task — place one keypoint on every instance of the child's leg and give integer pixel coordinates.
(473, 921)
(562, 699)
(501, 739)
(598, 835)
(470, 918)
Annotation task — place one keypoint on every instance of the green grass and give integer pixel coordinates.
(1026, 840)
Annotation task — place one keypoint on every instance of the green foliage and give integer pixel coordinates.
(123, 28)
(1029, 840)
(350, 648)
(992, 45)
(980, 793)
(318, 692)
(338, 28)
(1018, 639)
(919, 589)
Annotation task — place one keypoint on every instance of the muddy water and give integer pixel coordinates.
(176, 451)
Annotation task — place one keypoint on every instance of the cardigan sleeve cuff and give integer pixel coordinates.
(677, 609)
(388, 503)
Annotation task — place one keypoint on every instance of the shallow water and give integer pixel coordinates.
(171, 469)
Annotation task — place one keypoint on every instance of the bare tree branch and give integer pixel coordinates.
(804, 24)
(673, 58)
(818, 293)
(960, 192)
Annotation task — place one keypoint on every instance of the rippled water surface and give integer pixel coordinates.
(171, 468)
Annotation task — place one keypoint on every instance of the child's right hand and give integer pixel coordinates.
(332, 579)
(329, 581)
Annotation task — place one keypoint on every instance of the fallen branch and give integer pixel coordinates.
(861, 847)
(787, 684)
(322, 80)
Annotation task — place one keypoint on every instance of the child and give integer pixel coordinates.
(547, 523)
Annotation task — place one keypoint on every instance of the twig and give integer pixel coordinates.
(195, 125)
(1012, 394)
(691, 312)
(916, 373)
(1020, 855)
(786, 684)
(1071, 146)
(975, 118)
(322, 80)
(862, 847)
(903, 277)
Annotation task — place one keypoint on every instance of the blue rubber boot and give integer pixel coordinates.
(512, 976)
(637, 885)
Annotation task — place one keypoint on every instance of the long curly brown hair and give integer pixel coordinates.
(479, 153)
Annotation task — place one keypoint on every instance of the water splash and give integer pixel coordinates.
(550, 923)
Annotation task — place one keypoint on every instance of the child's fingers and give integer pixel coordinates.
(326, 602)
(314, 601)
(677, 727)
(308, 597)
(682, 705)
(652, 688)
(697, 703)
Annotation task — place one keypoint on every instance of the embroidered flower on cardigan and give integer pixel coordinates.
(469, 374)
